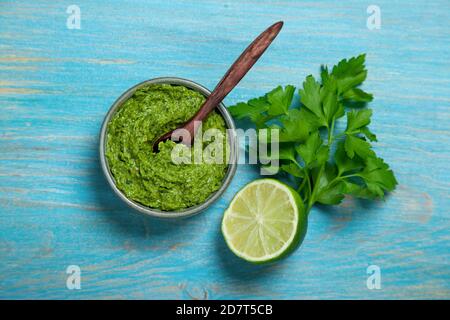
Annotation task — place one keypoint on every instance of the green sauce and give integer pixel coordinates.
(153, 179)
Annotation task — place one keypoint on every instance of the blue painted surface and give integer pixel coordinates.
(56, 210)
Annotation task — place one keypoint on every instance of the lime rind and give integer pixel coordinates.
(246, 218)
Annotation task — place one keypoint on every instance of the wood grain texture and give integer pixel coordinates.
(56, 209)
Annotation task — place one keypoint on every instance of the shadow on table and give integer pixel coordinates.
(125, 220)
(242, 270)
(349, 207)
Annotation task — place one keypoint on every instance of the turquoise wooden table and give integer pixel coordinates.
(56, 210)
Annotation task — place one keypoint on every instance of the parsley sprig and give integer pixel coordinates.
(326, 164)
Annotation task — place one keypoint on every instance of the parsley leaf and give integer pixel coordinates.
(357, 119)
(355, 145)
(330, 103)
(378, 177)
(313, 152)
(294, 127)
(262, 109)
(280, 100)
(357, 95)
(343, 163)
(329, 189)
(350, 73)
(253, 109)
(311, 98)
(293, 170)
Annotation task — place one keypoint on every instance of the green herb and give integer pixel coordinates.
(327, 164)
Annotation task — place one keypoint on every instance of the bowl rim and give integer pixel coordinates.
(232, 166)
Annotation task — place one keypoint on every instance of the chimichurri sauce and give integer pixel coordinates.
(153, 179)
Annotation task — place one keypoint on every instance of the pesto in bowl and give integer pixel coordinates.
(153, 179)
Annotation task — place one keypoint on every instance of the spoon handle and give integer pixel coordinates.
(236, 72)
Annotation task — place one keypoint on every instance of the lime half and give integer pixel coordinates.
(265, 221)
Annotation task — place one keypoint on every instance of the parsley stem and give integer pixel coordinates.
(350, 175)
(312, 199)
(330, 132)
(308, 180)
(341, 134)
(340, 178)
(305, 179)
(299, 189)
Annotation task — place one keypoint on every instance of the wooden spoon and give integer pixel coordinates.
(236, 72)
